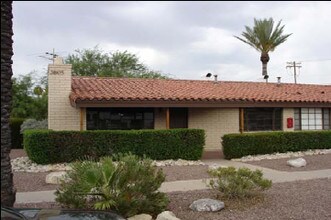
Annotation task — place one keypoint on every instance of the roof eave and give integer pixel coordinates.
(189, 103)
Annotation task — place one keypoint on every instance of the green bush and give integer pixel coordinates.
(31, 124)
(16, 136)
(128, 187)
(241, 183)
(46, 146)
(239, 145)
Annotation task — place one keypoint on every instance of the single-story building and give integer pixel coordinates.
(218, 107)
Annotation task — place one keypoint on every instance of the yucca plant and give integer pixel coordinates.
(128, 186)
(238, 183)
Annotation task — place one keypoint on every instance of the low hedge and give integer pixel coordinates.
(16, 136)
(46, 146)
(239, 145)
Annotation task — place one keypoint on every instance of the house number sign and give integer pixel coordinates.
(56, 72)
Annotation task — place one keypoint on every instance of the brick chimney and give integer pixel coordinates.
(61, 115)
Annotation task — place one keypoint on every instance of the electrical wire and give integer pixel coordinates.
(319, 60)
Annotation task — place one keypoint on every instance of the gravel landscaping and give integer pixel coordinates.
(175, 173)
(15, 153)
(309, 199)
(314, 162)
(28, 182)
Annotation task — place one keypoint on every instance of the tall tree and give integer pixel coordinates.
(94, 62)
(264, 38)
(8, 191)
(29, 97)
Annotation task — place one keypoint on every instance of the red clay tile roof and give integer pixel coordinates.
(125, 89)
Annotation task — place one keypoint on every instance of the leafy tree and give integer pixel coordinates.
(8, 192)
(94, 62)
(264, 38)
(29, 97)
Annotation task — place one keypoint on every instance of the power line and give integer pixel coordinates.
(53, 55)
(318, 60)
(295, 65)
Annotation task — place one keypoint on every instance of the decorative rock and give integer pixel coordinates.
(216, 166)
(207, 205)
(24, 164)
(55, 177)
(299, 162)
(167, 215)
(179, 162)
(283, 155)
(141, 217)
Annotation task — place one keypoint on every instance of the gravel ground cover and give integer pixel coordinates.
(28, 182)
(175, 173)
(15, 153)
(314, 162)
(309, 199)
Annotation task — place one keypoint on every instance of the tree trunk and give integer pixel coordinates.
(7, 188)
(264, 59)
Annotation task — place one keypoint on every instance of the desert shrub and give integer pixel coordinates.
(16, 136)
(30, 124)
(46, 146)
(239, 145)
(241, 183)
(129, 186)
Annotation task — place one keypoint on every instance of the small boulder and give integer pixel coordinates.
(55, 177)
(207, 205)
(300, 162)
(167, 215)
(141, 217)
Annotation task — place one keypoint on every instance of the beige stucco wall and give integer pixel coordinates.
(288, 113)
(216, 122)
(61, 115)
(160, 118)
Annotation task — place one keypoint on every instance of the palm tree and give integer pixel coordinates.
(7, 189)
(264, 38)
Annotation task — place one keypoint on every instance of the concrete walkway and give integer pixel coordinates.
(186, 185)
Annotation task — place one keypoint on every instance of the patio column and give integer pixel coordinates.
(81, 119)
(241, 120)
(167, 118)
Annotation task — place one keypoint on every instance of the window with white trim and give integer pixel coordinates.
(312, 118)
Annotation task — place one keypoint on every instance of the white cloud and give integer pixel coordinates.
(215, 40)
(149, 56)
(185, 39)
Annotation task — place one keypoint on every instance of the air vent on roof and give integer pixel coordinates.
(208, 75)
(278, 80)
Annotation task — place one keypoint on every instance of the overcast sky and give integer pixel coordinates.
(183, 39)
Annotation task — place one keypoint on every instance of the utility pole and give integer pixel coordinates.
(54, 55)
(295, 65)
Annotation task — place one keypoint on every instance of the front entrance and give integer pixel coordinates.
(178, 117)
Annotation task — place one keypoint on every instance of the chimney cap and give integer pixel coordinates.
(58, 60)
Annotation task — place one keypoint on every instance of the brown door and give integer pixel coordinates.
(178, 117)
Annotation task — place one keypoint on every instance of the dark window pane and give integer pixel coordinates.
(297, 120)
(149, 115)
(178, 117)
(262, 119)
(326, 119)
(119, 118)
